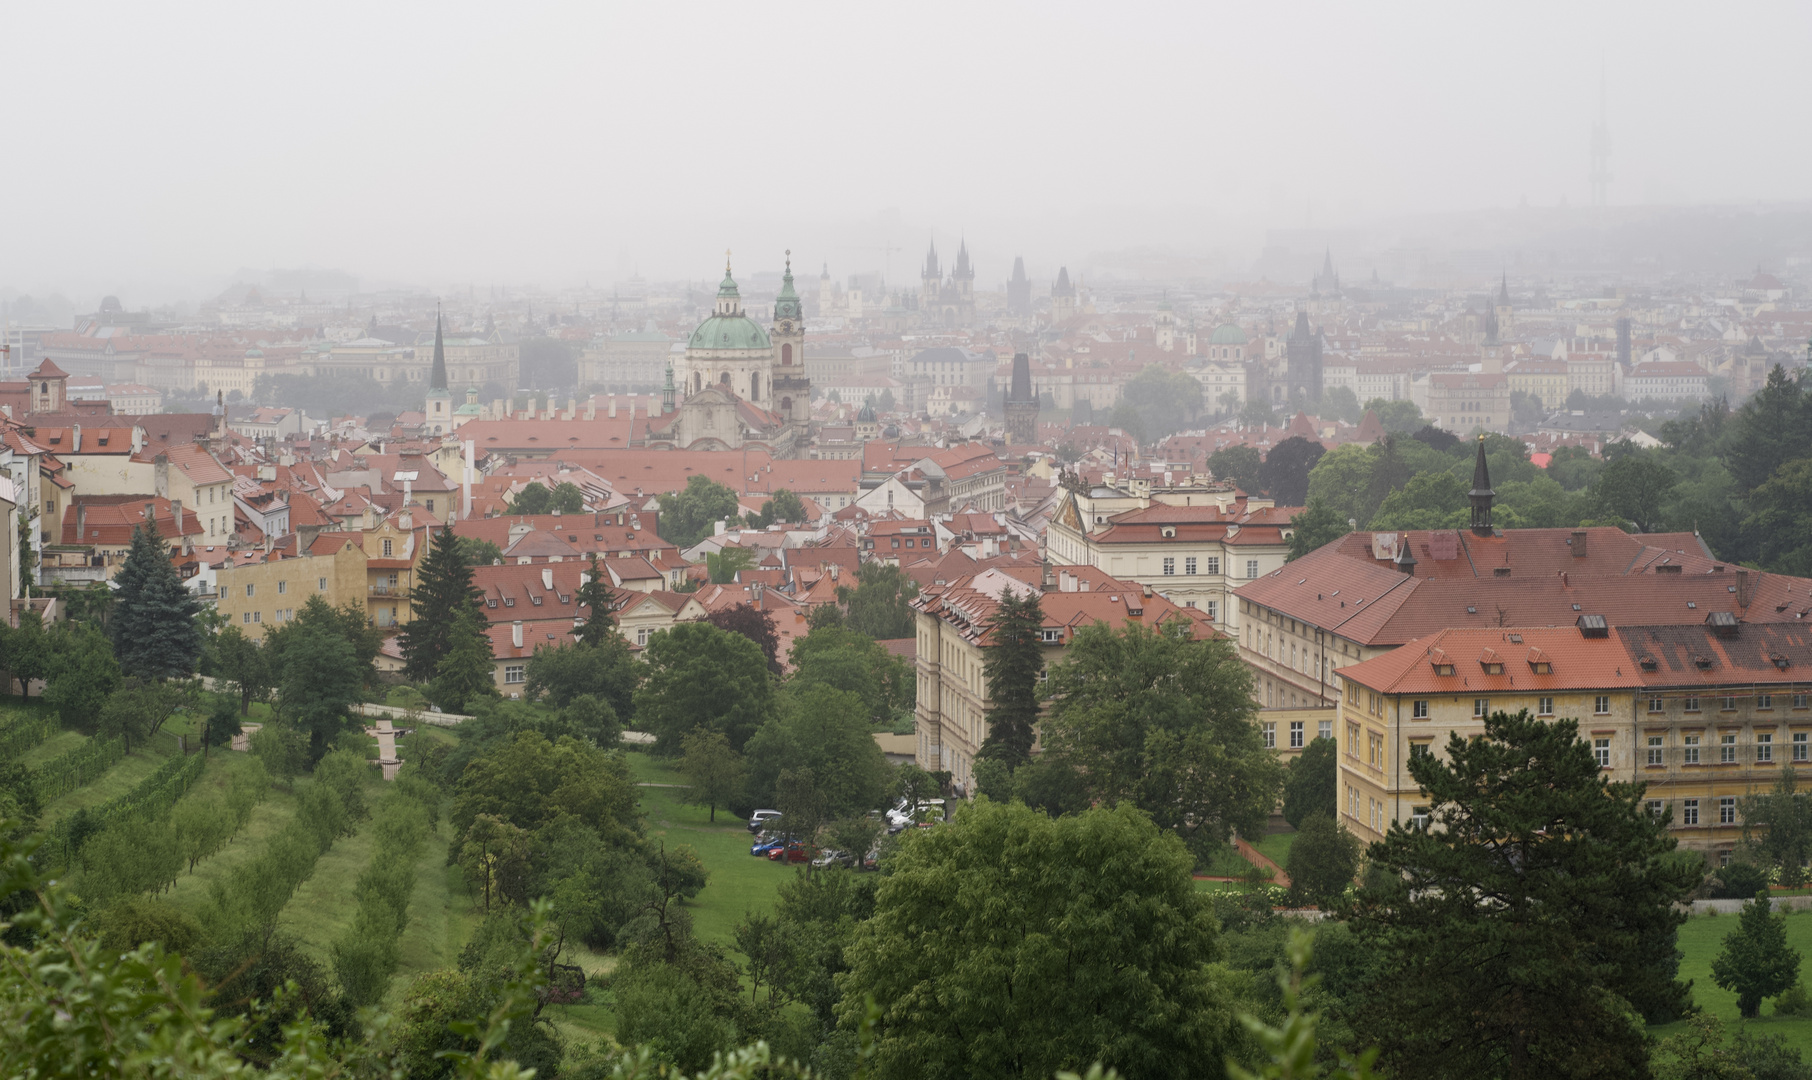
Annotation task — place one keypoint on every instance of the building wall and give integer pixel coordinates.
(259, 596)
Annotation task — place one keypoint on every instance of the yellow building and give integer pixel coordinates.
(1543, 378)
(1704, 714)
(374, 568)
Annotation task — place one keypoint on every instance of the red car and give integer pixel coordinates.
(792, 851)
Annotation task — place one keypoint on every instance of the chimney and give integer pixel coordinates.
(613, 407)
(516, 633)
(176, 513)
(1744, 587)
(151, 512)
(81, 521)
(547, 578)
(1579, 543)
(75, 439)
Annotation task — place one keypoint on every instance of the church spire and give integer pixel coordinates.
(1481, 494)
(437, 375)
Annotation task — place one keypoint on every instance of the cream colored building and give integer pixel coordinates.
(374, 568)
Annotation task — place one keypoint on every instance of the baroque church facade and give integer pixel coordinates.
(740, 384)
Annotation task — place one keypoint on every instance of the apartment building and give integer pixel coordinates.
(954, 634)
(1703, 714)
(374, 568)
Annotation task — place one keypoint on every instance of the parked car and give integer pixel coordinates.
(927, 812)
(791, 851)
(872, 860)
(764, 842)
(833, 857)
(761, 819)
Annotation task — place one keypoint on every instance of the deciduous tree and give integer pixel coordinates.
(753, 623)
(703, 677)
(1311, 783)
(1285, 473)
(881, 603)
(690, 514)
(1323, 859)
(28, 651)
(1318, 525)
(714, 770)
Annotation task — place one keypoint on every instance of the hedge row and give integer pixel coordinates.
(26, 731)
(366, 955)
(79, 767)
(153, 795)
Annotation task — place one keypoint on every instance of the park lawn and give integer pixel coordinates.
(323, 905)
(441, 915)
(1701, 939)
(52, 748)
(739, 882)
(1227, 862)
(1276, 847)
(119, 780)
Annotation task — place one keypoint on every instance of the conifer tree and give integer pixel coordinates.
(594, 597)
(443, 588)
(465, 672)
(155, 635)
(1756, 962)
(1015, 660)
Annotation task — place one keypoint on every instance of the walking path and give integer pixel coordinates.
(1253, 855)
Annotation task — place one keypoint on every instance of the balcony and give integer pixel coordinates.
(388, 591)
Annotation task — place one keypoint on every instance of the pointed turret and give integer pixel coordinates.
(1503, 291)
(931, 269)
(1481, 494)
(437, 375)
(962, 270)
(668, 393)
(1327, 264)
(786, 305)
(1491, 328)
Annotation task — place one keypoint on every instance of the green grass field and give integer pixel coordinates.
(52, 748)
(1701, 938)
(1276, 847)
(120, 779)
(269, 816)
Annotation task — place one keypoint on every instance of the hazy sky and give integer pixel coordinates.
(151, 152)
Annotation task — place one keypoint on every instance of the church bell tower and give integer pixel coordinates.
(792, 397)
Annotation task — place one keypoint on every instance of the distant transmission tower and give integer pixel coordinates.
(1601, 150)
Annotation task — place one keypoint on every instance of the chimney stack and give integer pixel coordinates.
(547, 577)
(75, 439)
(516, 633)
(1579, 543)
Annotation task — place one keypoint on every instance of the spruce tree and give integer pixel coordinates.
(443, 588)
(1015, 660)
(465, 673)
(155, 635)
(1756, 962)
(594, 596)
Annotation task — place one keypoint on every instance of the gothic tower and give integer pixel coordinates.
(1022, 404)
(1302, 360)
(792, 397)
(1063, 297)
(963, 280)
(439, 407)
(1019, 290)
(931, 281)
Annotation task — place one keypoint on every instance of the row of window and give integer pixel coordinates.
(1726, 702)
(1190, 564)
(1325, 730)
(1689, 810)
(1692, 747)
(251, 589)
(280, 615)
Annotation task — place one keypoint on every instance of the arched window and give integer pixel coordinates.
(786, 406)
(786, 354)
(754, 387)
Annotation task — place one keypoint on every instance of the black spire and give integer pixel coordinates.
(1022, 379)
(1481, 494)
(437, 375)
(1503, 291)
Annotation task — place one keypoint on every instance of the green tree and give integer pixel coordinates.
(221, 724)
(703, 677)
(443, 588)
(881, 603)
(690, 514)
(155, 635)
(28, 651)
(594, 595)
(784, 506)
(1635, 488)
(1784, 818)
(139, 710)
(1293, 1047)
(532, 499)
(1431, 500)
(478, 552)
(1239, 464)
(1401, 417)
(83, 673)
(321, 681)
(835, 656)
(1756, 962)
(823, 730)
(528, 781)
(1771, 429)
(1574, 467)
(1014, 661)
(1310, 786)
(1158, 719)
(723, 566)
(1323, 859)
(1781, 518)
(714, 770)
(1164, 400)
(241, 661)
(562, 673)
(1131, 985)
(1523, 932)
(566, 498)
(1340, 403)
(467, 671)
(1317, 526)
(1285, 473)
(1257, 412)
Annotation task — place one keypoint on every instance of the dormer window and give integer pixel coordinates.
(1493, 669)
(1051, 637)
(1168, 532)
(1443, 669)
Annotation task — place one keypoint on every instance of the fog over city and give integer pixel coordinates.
(157, 153)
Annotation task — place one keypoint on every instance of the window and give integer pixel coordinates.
(257, 616)
(1214, 611)
(1691, 703)
(1690, 750)
(1601, 704)
(250, 590)
(248, 618)
(1764, 747)
(1764, 701)
(1374, 748)
(1689, 811)
(1654, 705)
(513, 673)
(1601, 750)
(1270, 735)
(1656, 749)
(1727, 703)
(1418, 816)
(1800, 746)
(1545, 706)
(1214, 564)
(1189, 566)
(430, 506)
(641, 635)
(282, 587)
(389, 548)
(1727, 810)
(1419, 710)
(1419, 749)
(1352, 740)
(1481, 706)
(1251, 568)
(1170, 567)
(321, 585)
(1727, 748)
(1296, 728)
(1324, 729)
(1352, 801)
(1654, 808)
(1050, 637)
(1799, 700)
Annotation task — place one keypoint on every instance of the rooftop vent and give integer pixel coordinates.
(1702, 662)
(1668, 568)
(1500, 571)
(1723, 623)
(1593, 626)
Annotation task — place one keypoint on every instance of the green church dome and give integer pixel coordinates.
(729, 332)
(1228, 334)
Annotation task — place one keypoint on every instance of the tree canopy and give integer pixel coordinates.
(703, 677)
(154, 627)
(880, 605)
(690, 514)
(443, 589)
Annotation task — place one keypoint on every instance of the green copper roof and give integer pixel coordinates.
(1228, 334)
(786, 305)
(729, 332)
